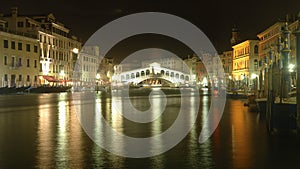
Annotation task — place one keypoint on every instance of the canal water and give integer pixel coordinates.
(43, 131)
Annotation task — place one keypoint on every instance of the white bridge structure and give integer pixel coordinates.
(153, 72)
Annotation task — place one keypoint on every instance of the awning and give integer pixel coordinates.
(50, 78)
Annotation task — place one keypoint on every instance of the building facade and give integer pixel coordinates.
(19, 59)
(58, 49)
(226, 58)
(245, 63)
(86, 66)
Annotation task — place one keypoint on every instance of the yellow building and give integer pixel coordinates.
(19, 59)
(245, 63)
(58, 49)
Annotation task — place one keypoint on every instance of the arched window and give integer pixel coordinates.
(172, 74)
(127, 76)
(137, 74)
(187, 78)
(132, 75)
(147, 72)
(162, 72)
(167, 73)
(181, 77)
(177, 75)
(142, 73)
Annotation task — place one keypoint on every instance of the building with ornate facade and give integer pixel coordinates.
(57, 48)
(245, 63)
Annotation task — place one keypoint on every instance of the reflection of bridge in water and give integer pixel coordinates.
(153, 75)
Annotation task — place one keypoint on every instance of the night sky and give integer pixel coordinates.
(214, 17)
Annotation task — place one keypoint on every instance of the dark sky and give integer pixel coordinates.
(214, 17)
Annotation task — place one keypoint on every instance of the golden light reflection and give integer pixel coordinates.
(117, 125)
(45, 138)
(98, 132)
(62, 134)
(242, 149)
(75, 140)
(156, 129)
(205, 153)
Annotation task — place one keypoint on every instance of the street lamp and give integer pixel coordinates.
(75, 50)
(291, 67)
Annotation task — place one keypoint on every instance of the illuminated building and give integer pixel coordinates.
(19, 58)
(245, 60)
(226, 58)
(58, 49)
(269, 40)
(87, 65)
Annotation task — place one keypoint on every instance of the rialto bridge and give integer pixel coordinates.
(153, 75)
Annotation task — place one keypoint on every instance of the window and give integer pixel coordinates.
(13, 44)
(19, 46)
(13, 61)
(28, 63)
(132, 75)
(20, 24)
(28, 47)
(19, 62)
(27, 24)
(35, 78)
(255, 64)
(147, 72)
(5, 77)
(35, 49)
(35, 63)
(255, 49)
(5, 43)
(20, 78)
(5, 60)
(28, 78)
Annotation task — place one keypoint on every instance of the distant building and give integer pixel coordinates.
(168, 62)
(191, 63)
(226, 59)
(87, 66)
(106, 70)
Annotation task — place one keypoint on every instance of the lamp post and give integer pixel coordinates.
(285, 53)
(297, 34)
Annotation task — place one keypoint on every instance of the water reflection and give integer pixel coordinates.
(241, 139)
(62, 137)
(47, 134)
(46, 137)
